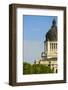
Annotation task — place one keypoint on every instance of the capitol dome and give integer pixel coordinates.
(52, 33)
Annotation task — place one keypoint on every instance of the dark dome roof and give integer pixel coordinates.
(52, 33)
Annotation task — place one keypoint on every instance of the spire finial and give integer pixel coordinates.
(54, 23)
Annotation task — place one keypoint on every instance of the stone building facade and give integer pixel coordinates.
(49, 56)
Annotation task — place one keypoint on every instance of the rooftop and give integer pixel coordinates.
(51, 35)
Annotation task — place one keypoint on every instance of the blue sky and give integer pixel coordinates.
(35, 29)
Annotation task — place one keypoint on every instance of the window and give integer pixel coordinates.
(52, 45)
(56, 45)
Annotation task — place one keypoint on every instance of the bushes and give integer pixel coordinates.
(36, 68)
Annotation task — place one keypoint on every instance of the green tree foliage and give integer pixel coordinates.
(36, 68)
(27, 68)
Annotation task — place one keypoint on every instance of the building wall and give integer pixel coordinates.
(50, 58)
(50, 48)
(44, 62)
(53, 64)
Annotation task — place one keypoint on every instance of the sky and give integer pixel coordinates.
(35, 29)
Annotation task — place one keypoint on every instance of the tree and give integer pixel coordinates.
(26, 68)
(36, 69)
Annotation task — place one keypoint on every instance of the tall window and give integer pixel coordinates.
(56, 45)
(52, 46)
